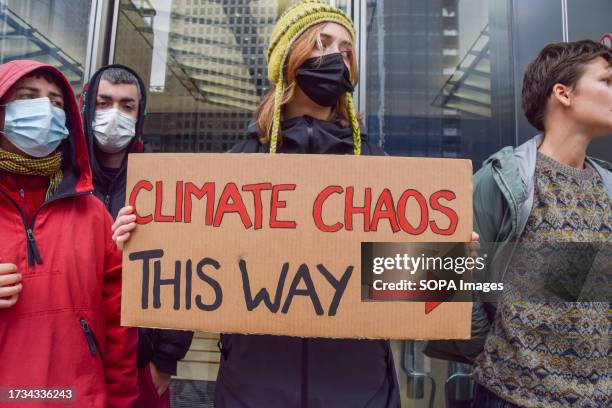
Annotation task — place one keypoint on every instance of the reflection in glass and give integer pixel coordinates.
(438, 77)
(205, 64)
(438, 84)
(54, 32)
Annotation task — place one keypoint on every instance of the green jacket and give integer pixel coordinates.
(502, 202)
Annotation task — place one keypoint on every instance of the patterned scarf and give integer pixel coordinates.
(49, 166)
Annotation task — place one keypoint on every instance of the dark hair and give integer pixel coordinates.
(39, 73)
(557, 63)
(47, 76)
(117, 75)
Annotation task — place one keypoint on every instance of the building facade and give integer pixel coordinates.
(439, 78)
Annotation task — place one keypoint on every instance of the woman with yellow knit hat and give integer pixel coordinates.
(313, 69)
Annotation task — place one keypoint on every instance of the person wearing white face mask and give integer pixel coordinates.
(60, 273)
(113, 130)
(113, 108)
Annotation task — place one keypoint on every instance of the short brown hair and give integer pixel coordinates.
(557, 63)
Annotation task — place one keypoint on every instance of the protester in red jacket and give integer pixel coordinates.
(60, 273)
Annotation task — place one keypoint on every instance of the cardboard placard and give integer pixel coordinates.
(270, 244)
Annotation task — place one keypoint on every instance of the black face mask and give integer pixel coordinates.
(324, 79)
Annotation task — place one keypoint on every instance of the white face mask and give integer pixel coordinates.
(113, 130)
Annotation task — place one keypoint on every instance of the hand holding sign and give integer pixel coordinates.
(260, 245)
(123, 225)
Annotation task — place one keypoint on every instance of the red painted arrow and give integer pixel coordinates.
(414, 295)
(429, 306)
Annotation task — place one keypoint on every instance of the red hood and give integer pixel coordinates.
(13, 71)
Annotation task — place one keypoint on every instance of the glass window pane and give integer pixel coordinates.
(438, 84)
(54, 32)
(439, 77)
(204, 63)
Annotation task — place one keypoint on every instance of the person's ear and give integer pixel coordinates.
(563, 94)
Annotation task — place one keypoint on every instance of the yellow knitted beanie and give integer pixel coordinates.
(290, 26)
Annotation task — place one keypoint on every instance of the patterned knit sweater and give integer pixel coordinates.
(554, 353)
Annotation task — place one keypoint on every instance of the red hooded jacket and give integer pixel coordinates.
(64, 331)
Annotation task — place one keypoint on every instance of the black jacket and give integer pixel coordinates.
(162, 347)
(281, 371)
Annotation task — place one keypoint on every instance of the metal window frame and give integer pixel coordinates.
(113, 35)
(564, 21)
(102, 26)
(92, 39)
(359, 10)
(356, 10)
